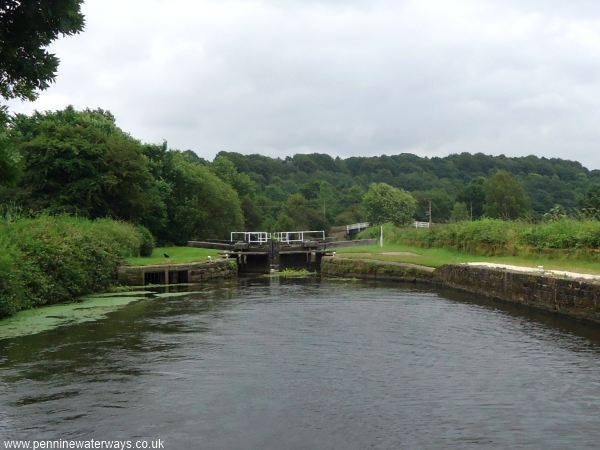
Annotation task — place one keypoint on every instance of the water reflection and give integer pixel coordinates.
(302, 363)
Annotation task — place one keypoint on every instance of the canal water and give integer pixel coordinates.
(308, 364)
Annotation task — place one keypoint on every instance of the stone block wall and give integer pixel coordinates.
(375, 270)
(192, 272)
(577, 298)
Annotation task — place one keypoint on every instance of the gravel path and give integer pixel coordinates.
(539, 269)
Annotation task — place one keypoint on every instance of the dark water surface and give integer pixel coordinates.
(268, 364)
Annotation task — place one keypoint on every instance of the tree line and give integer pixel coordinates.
(82, 163)
(457, 187)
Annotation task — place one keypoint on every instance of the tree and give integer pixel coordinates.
(384, 203)
(473, 195)
(81, 162)
(327, 201)
(589, 205)
(310, 191)
(10, 160)
(27, 27)
(245, 187)
(505, 197)
(298, 214)
(441, 205)
(202, 206)
(459, 213)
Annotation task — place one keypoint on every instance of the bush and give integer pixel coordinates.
(148, 242)
(499, 237)
(52, 259)
(384, 203)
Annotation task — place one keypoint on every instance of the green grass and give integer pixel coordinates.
(176, 255)
(435, 257)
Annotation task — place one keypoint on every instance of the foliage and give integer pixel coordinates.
(563, 234)
(299, 214)
(80, 162)
(384, 203)
(498, 237)
(243, 185)
(26, 29)
(202, 205)
(148, 242)
(473, 195)
(459, 213)
(52, 259)
(505, 197)
(590, 203)
(441, 205)
(443, 180)
(556, 213)
(10, 160)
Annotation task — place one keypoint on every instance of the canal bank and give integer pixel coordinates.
(365, 269)
(576, 297)
(195, 272)
(569, 294)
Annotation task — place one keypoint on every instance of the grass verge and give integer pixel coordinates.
(176, 255)
(435, 257)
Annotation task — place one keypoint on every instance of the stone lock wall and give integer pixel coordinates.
(577, 298)
(573, 297)
(194, 272)
(376, 270)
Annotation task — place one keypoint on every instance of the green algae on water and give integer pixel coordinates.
(120, 294)
(294, 273)
(177, 294)
(91, 308)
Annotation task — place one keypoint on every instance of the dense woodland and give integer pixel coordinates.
(82, 163)
(338, 184)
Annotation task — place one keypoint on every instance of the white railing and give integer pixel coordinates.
(422, 224)
(251, 237)
(293, 237)
(286, 237)
(357, 226)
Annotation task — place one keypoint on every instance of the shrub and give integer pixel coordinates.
(51, 259)
(498, 237)
(148, 242)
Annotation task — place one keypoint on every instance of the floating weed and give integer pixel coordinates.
(45, 318)
(120, 294)
(177, 294)
(294, 273)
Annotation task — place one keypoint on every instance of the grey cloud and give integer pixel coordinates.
(342, 77)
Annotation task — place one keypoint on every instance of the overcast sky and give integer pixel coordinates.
(344, 77)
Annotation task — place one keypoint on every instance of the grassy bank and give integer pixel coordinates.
(562, 245)
(175, 255)
(435, 257)
(556, 240)
(54, 259)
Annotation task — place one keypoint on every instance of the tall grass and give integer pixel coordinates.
(52, 259)
(565, 237)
